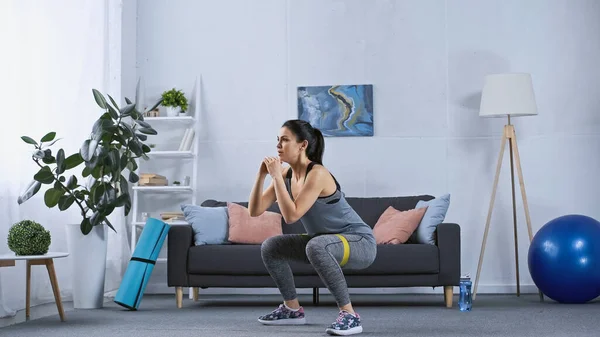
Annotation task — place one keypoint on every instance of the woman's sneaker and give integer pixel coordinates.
(284, 316)
(346, 324)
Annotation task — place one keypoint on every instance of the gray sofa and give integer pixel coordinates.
(241, 266)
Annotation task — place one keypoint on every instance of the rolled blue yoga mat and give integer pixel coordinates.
(141, 264)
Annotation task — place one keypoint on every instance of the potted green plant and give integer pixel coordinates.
(175, 102)
(28, 237)
(110, 157)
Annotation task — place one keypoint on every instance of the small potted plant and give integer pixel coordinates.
(28, 237)
(176, 183)
(175, 102)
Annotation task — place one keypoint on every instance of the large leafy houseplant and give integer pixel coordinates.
(114, 146)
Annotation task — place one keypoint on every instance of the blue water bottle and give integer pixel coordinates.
(464, 300)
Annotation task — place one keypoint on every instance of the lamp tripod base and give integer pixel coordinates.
(510, 136)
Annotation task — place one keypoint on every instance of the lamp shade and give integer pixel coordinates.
(507, 95)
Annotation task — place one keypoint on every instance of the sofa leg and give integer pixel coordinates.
(448, 295)
(316, 296)
(179, 296)
(195, 294)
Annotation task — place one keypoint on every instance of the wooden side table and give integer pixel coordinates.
(8, 260)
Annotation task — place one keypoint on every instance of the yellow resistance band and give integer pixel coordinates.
(346, 250)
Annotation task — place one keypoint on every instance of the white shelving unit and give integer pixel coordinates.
(163, 189)
(170, 153)
(168, 156)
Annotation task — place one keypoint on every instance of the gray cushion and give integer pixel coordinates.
(239, 259)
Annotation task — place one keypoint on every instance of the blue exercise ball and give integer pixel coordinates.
(564, 259)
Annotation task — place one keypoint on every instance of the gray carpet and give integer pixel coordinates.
(382, 315)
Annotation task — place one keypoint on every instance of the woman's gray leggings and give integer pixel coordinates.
(329, 254)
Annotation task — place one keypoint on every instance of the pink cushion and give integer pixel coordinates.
(251, 230)
(395, 227)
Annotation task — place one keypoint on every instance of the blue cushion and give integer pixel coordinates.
(209, 224)
(434, 215)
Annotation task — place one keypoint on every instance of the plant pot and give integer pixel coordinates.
(88, 262)
(173, 111)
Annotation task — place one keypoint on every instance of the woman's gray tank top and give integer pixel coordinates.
(331, 214)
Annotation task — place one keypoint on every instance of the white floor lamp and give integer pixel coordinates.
(507, 95)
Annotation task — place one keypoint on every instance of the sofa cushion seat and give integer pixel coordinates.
(242, 259)
(403, 259)
(234, 259)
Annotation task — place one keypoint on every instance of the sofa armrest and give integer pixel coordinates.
(448, 242)
(180, 239)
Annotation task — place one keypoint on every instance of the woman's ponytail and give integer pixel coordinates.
(316, 149)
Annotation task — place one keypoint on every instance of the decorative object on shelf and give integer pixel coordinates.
(176, 183)
(114, 146)
(175, 102)
(28, 237)
(186, 181)
(507, 95)
(338, 110)
(152, 113)
(152, 179)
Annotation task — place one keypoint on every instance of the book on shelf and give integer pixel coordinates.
(187, 140)
(152, 179)
(172, 216)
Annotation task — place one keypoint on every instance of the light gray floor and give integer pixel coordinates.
(383, 315)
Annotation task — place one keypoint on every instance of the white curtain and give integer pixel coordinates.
(53, 54)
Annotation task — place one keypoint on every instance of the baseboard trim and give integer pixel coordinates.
(482, 289)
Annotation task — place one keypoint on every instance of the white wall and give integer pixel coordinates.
(128, 48)
(54, 54)
(426, 60)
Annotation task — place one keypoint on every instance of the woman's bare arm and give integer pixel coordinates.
(292, 210)
(259, 201)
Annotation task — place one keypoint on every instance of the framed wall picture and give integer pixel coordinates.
(338, 110)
